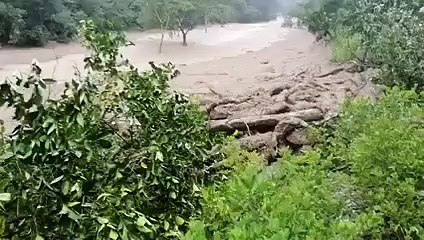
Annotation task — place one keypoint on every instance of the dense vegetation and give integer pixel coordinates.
(383, 34)
(75, 174)
(34, 22)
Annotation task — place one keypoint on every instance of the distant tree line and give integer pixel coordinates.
(35, 22)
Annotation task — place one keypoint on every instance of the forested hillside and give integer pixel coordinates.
(34, 22)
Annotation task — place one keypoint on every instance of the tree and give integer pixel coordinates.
(216, 11)
(10, 22)
(188, 14)
(163, 13)
(34, 22)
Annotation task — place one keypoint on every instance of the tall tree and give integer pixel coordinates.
(188, 14)
(163, 12)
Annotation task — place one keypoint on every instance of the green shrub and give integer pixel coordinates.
(380, 145)
(297, 199)
(389, 34)
(77, 175)
(345, 46)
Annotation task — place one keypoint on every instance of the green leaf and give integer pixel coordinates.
(72, 204)
(38, 237)
(103, 195)
(145, 229)
(159, 156)
(102, 220)
(166, 225)
(6, 155)
(118, 176)
(5, 197)
(78, 154)
(56, 180)
(64, 210)
(141, 221)
(179, 221)
(113, 235)
(80, 119)
(28, 95)
(51, 129)
(71, 214)
(65, 187)
(27, 175)
(173, 195)
(195, 188)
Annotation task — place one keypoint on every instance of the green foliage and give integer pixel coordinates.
(295, 199)
(391, 34)
(364, 182)
(379, 145)
(77, 175)
(11, 22)
(345, 46)
(25, 22)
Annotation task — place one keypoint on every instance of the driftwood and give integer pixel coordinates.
(259, 142)
(226, 101)
(263, 121)
(277, 109)
(332, 72)
(279, 89)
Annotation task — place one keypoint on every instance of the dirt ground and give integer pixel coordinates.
(248, 75)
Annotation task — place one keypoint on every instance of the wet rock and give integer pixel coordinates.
(259, 142)
(299, 137)
(286, 126)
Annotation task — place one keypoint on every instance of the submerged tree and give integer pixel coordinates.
(163, 13)
(188, 14)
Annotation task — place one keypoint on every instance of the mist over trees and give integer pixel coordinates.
(35, 22)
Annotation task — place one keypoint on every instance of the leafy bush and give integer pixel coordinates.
(345, 46)
(77, 175)
(34, 23)
(296, 199)
(391, 35)
(364, 183)
(380, 146)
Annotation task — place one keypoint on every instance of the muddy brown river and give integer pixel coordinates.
(235, 60)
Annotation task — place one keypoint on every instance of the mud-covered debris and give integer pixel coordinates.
(263, 122)
(332, 72)
(299, 137)
(259, 142)
(286, 126)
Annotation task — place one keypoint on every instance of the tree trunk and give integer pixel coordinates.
(206, 23)
(184, 38)
(161, 40)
